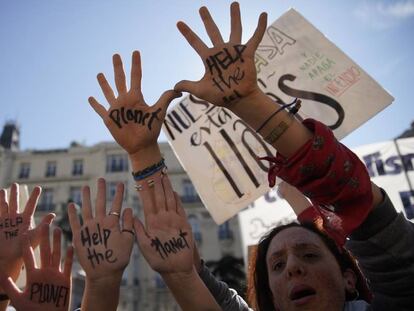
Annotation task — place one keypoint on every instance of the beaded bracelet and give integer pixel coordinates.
(148, 171)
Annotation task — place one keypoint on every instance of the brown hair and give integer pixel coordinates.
(259, 293)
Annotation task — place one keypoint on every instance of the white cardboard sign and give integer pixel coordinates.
(294, 59)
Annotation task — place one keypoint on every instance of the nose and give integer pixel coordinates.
(294, 267)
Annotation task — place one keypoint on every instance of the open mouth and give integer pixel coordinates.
(298, 293)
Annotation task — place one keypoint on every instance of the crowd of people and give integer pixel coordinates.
(348, 250)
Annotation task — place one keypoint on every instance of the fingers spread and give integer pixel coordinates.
(28, 254)
(166, 98)
(136, 71)
(188, 86)
(44, 246)
(196, 43)
(67, 269)
(128, 223)
(86, 204)
(211, 27)
(117, 201)
(119, 74)
(56, 254)
(35, 233)
(179, 206)
(14, 200)
(4, 207)
(99, 109)
(142, 234)
(236, 26)
(73, 218)
(32, 202)
(100, 208)
(257, 37)
(169, 194)
(106, 89)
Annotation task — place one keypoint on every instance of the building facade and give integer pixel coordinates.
(63, 172)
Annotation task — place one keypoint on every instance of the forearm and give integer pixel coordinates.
(101, 294)
(190, 292)
(255, 109)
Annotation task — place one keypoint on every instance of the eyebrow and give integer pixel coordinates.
(296, 246)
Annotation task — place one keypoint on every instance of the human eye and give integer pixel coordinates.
(278, 265)
(310, 255)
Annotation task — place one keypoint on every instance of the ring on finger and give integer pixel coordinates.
(129, 231)
(115, 214)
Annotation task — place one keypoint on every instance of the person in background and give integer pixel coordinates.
(299, 270)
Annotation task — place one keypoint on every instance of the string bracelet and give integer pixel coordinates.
(148, 171)
(280, 129)
(150, 182)
(283, 107)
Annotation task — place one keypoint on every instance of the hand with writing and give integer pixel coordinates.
(134, 125)
(48, 288)
(13, 226)
(166, 241)
(230, 74)
(102, 247)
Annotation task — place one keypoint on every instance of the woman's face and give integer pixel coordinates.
(304, 274)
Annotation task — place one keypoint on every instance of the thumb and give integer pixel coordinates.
(9, 287)
(187, 86)
(34, 234)
(140, 231)
(166, 98)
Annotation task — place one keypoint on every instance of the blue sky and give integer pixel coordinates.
(51, 52)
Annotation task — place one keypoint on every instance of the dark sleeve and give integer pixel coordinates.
(384, 248)
(227, 298)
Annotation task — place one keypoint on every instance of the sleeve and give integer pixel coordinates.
(331, 176)
(383, 246)
(227, 298)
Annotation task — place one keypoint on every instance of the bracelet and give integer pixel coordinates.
(148, 171)
(4, 297)
(278, 131)
(295, 103)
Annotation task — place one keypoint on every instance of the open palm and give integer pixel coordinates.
(230, 69)
(132, 123)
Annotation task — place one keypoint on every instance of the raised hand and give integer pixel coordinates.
(102, 247)
(14, 225)
(132, 123)
(47, 288)
(230, 74)
(166, 241)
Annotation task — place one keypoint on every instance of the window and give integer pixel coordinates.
(24, 170)
(224, 231)
(189, 193)
(111, 190)
(46, 201)
(50, 169)
(116, 163)
(75, 195)
(77, 168)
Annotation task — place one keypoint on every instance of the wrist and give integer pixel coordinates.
(145, 157)
(105, 282)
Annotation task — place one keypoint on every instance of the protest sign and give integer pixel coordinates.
(219, 151)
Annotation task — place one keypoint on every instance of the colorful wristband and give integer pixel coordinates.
(148, 171)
